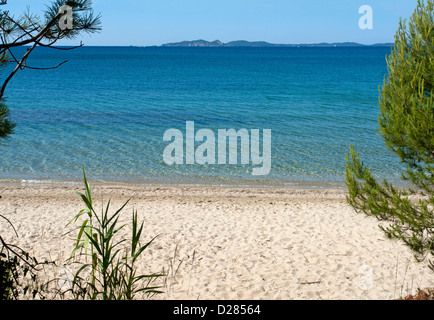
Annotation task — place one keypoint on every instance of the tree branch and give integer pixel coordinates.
(18, 67)
(34, 38)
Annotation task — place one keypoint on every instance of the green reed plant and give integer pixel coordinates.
(109, 269)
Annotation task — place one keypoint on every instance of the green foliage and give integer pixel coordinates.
(407, 126)
(6, 282)
(6, 126)
(407, 100)
(109, 271)
(19, 272)
(83, 17)
(29, 28)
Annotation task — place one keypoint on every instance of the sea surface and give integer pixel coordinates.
(108, 108)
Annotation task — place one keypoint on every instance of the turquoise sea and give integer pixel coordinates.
(107, 109)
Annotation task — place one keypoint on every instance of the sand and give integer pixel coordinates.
(233, 243)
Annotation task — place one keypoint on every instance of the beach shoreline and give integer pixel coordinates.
(150, 184)
(232, 243)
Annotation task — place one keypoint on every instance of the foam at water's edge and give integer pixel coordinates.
(198, 184)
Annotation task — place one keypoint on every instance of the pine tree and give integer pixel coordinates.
(6, 126)
(407, 126)
(30, 30)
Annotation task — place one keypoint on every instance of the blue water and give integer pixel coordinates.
(107, 109)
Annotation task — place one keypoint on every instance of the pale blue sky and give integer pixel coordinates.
(153, 22)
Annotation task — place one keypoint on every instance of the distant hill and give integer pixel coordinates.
(196, 43)
(244, 43)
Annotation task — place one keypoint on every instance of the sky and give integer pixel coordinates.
(154, 22)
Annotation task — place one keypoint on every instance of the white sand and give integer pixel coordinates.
(234, 243)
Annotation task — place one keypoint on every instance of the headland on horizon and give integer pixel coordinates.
(244, 43)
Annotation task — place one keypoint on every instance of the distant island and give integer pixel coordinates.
(244, 43)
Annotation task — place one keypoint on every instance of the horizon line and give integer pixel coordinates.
(350, 43)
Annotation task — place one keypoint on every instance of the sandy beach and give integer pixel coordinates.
(232, 243)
